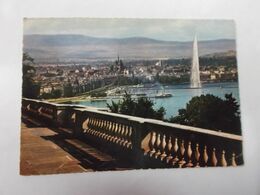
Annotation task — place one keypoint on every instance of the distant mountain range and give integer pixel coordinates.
(76, 48)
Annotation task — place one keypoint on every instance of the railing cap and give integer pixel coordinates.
(144, 120)
(195, 129)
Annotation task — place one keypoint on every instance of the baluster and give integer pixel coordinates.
(197, 155)
(189, 153)
(214, 158)
(118, 132)
(175, 149)
(99, 129)
(158, 142)
(110, 131)
(151, 144)
(169, 147)
(73, 117)
(117, 129)
(129, 141)
(113, 129)
(96, 127)
(182, 152)
(103, 128)
(85, 125)
(163, 144)
(94, 122)
(107, 124)
(205, 156)
(233, 161)
(125, 136)
(90, 126)
(121, 135)
(223, 159)
(105, 131)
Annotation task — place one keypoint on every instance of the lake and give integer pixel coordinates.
(181, 95)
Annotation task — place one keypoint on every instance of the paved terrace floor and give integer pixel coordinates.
(50, 151)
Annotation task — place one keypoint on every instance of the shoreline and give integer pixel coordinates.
(87, 97)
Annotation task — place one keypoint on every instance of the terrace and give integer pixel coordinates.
(59, 138)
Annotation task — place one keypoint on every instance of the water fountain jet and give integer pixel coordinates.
(195, 70)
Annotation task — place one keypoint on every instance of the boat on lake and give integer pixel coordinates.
(162, 94)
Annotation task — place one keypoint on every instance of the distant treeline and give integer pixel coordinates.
(172, 79)
(216, 61)
(204, 61)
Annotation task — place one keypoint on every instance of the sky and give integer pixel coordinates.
(161, 29)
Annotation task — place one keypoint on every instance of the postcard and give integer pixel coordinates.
(107, 94)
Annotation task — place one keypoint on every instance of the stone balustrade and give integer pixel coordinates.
(145, 143)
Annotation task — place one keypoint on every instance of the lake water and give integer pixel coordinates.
(181, 95)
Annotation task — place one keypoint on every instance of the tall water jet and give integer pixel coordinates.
(195, 69)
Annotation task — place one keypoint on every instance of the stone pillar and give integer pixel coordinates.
(55, 116)
(77, 130)
(136, 138)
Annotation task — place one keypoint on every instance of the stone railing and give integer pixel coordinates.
(145, 143)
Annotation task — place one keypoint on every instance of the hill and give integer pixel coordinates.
(78, 48)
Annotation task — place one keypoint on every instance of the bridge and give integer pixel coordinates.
(63, 138)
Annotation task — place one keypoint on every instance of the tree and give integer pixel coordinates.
(68, 90)
(30, 89)
(56, 93)
(142, 107)
(211, 112)
(114, 107)
(128, 105)
(45, 95)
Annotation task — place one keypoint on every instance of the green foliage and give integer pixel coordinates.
(68, 90)
(46, 95)
(206, 61)
(211, 112)
(56, 93)
(217, 60)
(172, 79)
(114, 107)
(30, 89)
(27, 59)
(128, 105)
(142, 107)
(98, 94)
(28, 70)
